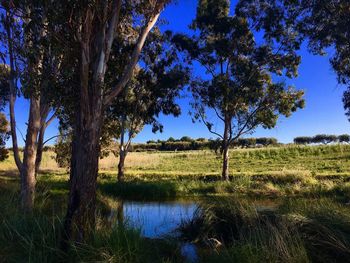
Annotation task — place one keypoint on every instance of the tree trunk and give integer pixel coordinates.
(27, 172)
(45, 109)
(122, 152)
(225, 171)
(80, 216)
(122, 156)
(225, 150)
(40, 148)
(13, 92)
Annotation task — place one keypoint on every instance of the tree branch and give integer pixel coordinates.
(135, 55)
(53, 137)
(207, 124)
(50, 120)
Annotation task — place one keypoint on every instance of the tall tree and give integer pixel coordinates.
(90, 31)
(238, 87)
(23, 35)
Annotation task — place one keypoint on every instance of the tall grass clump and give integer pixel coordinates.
(36, 237)
(240, 232)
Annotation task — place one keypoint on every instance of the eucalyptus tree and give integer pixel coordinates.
(150, 92)
(238, 87)
(30, 70)
(90, 30)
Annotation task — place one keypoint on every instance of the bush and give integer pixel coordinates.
(303, 140)
(186, 139)
(324, 138)
(344, 138)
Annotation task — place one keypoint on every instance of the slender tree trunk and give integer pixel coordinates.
(13, 92)
(225, 165)
(122, 153)
(28, 180)
(45, 109)
(225, 150)
(14, 132)
(122, 156)
(40, 148)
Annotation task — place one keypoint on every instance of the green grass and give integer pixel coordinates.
(36, 237)
(298, 231)
(272, 172)
(294, 233)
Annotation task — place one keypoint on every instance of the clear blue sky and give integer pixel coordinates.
(323, 113)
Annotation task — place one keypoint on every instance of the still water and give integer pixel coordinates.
(158, 219)
(161, 219)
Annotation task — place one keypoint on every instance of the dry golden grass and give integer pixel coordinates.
(134, 160)
(48, 163)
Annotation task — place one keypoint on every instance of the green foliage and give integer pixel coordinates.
(322, 138)
(186, 144)
(4, 135)
(302, 140)
(344, 138)
(186, 139)
(4, 84)
(171, 139)
(324, 24)
(63, 149)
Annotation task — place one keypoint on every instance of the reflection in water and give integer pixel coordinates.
(158, 219)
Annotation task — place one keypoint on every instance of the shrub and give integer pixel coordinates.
(344, 138)
(303, 140)
(324, 138)
(186, 139)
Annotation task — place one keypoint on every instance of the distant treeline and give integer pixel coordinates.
(186, 143)
(322, 139)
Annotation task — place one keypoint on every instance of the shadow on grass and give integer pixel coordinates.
(140, 190)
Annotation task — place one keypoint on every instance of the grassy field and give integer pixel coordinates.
(295, 232)
(280, 171)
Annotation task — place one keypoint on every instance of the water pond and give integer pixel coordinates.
(161, 219)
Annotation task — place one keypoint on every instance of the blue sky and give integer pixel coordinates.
(323, 113)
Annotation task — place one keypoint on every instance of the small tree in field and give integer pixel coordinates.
(134, 109)
(238, 87)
